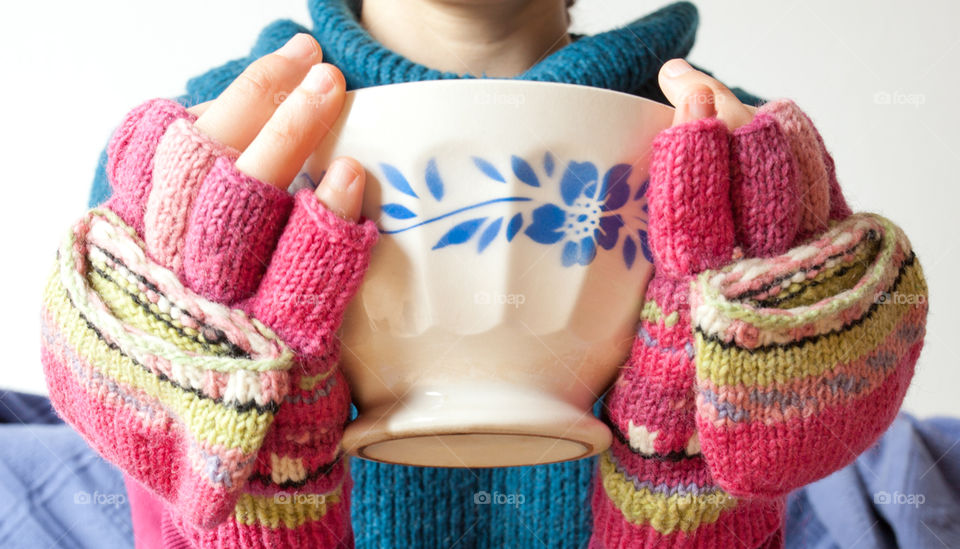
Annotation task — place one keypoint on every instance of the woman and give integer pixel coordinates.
(702, 457)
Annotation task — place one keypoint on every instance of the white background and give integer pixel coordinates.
(72, 69)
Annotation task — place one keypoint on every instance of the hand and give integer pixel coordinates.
(697, 95)
(207, 191)
(726, 181)
(277, 129)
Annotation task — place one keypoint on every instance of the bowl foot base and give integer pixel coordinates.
(476, 426)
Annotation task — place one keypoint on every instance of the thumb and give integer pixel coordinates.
(341, 189)
(697, 104)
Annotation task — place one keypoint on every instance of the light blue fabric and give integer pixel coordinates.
(55, 491)
(902, 492)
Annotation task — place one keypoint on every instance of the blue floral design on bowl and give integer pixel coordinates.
(588, 212)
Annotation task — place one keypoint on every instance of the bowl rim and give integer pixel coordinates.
(561, 87)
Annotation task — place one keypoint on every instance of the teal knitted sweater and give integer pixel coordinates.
(399, 506)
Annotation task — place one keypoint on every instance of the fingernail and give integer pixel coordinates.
(341, 176)
(701, 105)
(318, 80)
(301, 46)
(676, 67)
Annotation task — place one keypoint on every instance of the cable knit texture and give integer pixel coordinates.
(219, 396)
(397, 506)
(752, 377)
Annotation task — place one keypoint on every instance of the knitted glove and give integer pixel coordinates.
(752, 377)
(189, 332)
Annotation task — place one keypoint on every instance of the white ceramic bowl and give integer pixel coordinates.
(494, 313)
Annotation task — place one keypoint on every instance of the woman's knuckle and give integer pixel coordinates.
(259, 80)
(281, 136)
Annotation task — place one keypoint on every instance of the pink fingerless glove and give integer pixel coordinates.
(189, 336)
(752, 377)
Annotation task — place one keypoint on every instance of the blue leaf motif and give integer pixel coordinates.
(434, 183)
(629, 252)
(570, 250)
(546, 220)
(523, 171)
(488, 234)
(514, 226)
(588, 250)
(548, 163)
(488, 169)
(397, 211)
(460, 233)
(645, 245)
(616, 188)
(577, 177)
(581, 252)
(609, 231)
(642, 190)
(396, 179)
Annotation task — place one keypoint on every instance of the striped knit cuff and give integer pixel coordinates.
(823, 200)
(802, 360)
(130, 156)
(177, 391)
(183, 158)
(629, 512)
(281, 519)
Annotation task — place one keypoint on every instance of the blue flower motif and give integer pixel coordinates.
(589, 214)
(588, 217)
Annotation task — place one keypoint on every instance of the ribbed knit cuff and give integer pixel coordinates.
(184, 157)
(691, 219)
(316, 269)
(232, 233)
(764, 187)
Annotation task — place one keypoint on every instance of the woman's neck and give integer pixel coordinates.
(496, 38)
